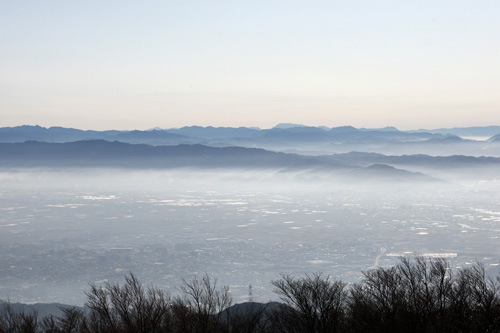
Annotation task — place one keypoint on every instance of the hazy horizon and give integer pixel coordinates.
(131, 65)
(250, 126)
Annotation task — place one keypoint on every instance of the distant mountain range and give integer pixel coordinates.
(286, 138)
(286, 147)
(100, 153)
(212, 135)
(478, 132)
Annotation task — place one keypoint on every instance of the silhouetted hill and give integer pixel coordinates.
(260, 311)
(41, 309)
(495, 138)
(454, 161)
(245, 309)
(446, 140)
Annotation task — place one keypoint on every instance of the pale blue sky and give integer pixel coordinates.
(141, 64)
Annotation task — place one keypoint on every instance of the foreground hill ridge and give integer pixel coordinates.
(416, 295)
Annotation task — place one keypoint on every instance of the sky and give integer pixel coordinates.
(142, 64)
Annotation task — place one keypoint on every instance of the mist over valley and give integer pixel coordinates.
(74, 212)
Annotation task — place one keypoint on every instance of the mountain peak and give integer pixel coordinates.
(287, 126)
